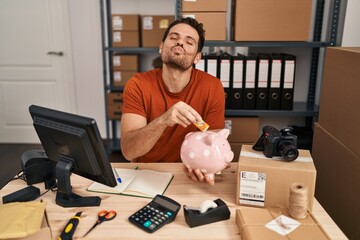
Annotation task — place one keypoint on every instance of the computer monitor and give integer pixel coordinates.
(75, 144)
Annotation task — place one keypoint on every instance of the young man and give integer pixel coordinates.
(161, 105)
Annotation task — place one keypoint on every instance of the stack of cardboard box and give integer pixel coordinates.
(114, 105)
(263, 191)
(336, 144)
(211, 13)
(124, 67)
(125, 30)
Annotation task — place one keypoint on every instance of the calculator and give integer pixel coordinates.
(160, 211)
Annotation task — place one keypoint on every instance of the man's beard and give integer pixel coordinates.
(174, 62)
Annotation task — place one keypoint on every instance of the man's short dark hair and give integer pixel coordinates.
(193, 23)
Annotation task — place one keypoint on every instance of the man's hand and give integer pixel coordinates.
(180, 113)
(197, 176)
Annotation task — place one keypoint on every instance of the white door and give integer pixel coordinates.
(35, 64)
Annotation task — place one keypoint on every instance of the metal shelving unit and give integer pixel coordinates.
(306, 109)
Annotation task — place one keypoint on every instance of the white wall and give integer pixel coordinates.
(351, 35)
(87, 58)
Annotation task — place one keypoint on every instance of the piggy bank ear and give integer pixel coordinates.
(209, 139)
(224, 133)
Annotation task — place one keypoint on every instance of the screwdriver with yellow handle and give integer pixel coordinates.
(68, 231)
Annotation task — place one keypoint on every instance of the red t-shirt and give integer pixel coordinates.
(146, 94)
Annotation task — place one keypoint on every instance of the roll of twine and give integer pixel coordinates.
(298, 201)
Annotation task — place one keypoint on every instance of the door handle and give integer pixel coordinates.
(56, 53)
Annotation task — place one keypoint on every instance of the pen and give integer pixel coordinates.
(70, 227)
(117, 176)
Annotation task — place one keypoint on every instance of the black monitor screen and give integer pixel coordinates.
(74, 142)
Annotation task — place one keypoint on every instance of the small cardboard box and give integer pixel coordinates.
(204, 5)
(153, 29)
(114, 111)
(340, 96)
(251, 223)
(265, 182)
(125, 39)
(125, 22)
(272, 20)
(243, 129)
(214, 23)
(121, 77)
(125, 62)
(114, 97)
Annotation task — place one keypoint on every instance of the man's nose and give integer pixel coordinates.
(179, 44)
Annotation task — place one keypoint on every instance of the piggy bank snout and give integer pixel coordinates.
(229, 156)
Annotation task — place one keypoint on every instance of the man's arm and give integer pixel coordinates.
(138, 137)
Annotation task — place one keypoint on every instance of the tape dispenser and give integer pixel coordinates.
(208, 212)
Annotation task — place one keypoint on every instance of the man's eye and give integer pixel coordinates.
(190, 43)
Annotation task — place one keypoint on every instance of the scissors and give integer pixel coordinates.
(103, 215)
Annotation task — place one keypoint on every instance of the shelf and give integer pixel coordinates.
(141, 50)
(300, 110)
(133, 50)
(267, 44)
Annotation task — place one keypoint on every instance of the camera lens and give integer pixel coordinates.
(288, 151)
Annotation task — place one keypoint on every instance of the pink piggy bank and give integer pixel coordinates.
(208, 151)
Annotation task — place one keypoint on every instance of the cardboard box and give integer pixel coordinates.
(114, 111)
(153, 29)
(214, 23)
(265, 182)
(121, 77)
(125, 62)
(251, 223)
(125, 22)
(243, 129)
(125, 39)
(340, 97)
(272, 20)
(236, 148)
(204, 5)
(337, 181)
(114, 97)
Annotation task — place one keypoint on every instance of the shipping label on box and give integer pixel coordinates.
(265, 182)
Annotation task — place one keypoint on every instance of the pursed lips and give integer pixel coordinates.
(178, 49)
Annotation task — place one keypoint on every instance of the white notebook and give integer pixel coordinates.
(140, 183)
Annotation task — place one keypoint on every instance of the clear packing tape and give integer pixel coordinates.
(20, 219)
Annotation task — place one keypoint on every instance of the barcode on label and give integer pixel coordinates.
(250, 195)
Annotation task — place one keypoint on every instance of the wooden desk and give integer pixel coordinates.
(181, 189)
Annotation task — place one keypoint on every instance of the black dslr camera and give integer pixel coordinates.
(278, 143)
